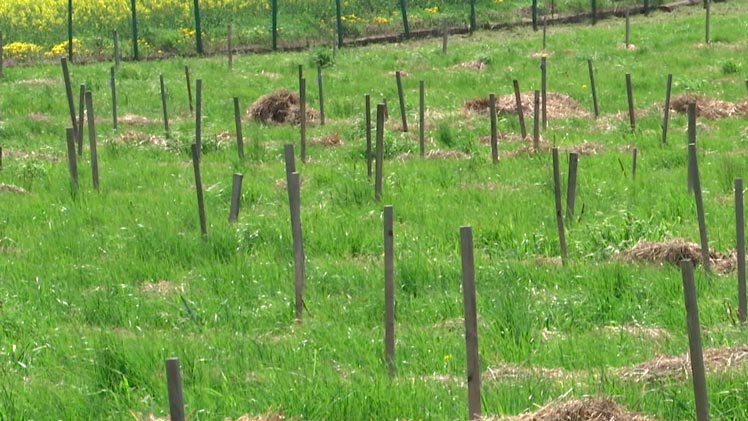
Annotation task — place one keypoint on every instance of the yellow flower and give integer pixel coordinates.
(61, 49)
(448, 358)
(21, 50)
(432, 10)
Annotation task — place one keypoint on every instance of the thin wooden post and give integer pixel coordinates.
(545, 29)
(117, 54)
(274, 23)
(339, 23)
(294, 193)
(189, 87)
(70, 30)
(113, 87)
(2, 55)
(302, 117)
(520, 111)
(594, 12)
(321, 95)
(81, 118)
(174, 385)
(536, 122)
(445, 40)
(230, 47)
(69, 93)
(471, 322)
(708, 15)
(571, 188)
(694, 341)
(380, 153)
(290, 161)
(628, 32)
(389, 290)
(630, 96)
(699, 208)
(559, 211)
(404, 11)
(494, 135)
(198, 29)
(534, 15)
(72, 161)
(92, 140)
(238, 124)
(691, 141)
(1, 158)
(401, 96)
(544, 90)
(740, 235)
(163, 104)
(133, 11)
(666, 116)
(367, 119)
(199, 189)
(593, 88)
(236, 194)
(422, 118)
(473, 20)
(634, 153)
(199, 117)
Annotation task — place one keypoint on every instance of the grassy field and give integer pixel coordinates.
(98, 288)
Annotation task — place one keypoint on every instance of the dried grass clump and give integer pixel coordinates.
(132, 137)
(471, 65)
(331, 139)
(136, 120)
(161, 287)
(709, 107)
(675, 250)
(514, 371)
(270, 415)
(587, 409)
(558, 105)
(715, 360)
(436, 154)
(280, 107)
(12, 189)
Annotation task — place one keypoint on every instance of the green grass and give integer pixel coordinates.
(80, 337)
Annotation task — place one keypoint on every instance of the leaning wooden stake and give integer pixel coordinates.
(294, 194)
(302, 117)
(593, 88)
(117, 54)
(236, 195)
(628, 32)
(694, 341)
(81, 117)
(536, 123)
(559, 210)
(699, 207)
(520, 111)
(708, 14)
(634, 153)
(321, 95)
(238, 125)
(494, 135)
(544, 90)
(72, 161)
(230, 47)
(189, 87)
(163, 104)
(691, 141)
(380, 153)
(401, 96)
(69, 93)
(630, 96)
(199, 189)
(471, 322)
(389, 290)
(666, 115)
(740, 235)
(113, 87)
(421, 119)
(571, 188)
(199, 117)
(174, 385)
(367, 120)
(92, 140)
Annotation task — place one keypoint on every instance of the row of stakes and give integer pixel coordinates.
(293, 187)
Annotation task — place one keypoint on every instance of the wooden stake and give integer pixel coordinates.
(199, 117)
(559, 211)
(302, 117)
(230, 48)
(571, 188)
(321, 96)
(633, 163)
(294, 194)
(199, 189)
(367, 119)
(494, 135)
(544, 90)
(2, 55)
(520, 111)
(445, 40)
(236, 194)
(81, 118)
(290, 160)
(666, 117)
(691, 141)
(421, 119)
(536, 123)
(544, 33)
(699, 208)
(708, 14)
(740, 235)
(471, 322)
(189, 87)
(174, 382)
(401, 96)
(628, 31)
(238, 125)
(694, 341)
(92, 140)
(380, 153)
(113, 87)
(69, 93)
(389, 290)
(593, 88)
(117, 55)
(630, 95)
(72, 162)
(163, 104)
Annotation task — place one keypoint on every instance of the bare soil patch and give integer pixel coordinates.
(558, 105)
(709, 107)
(132, 137)
(715, 360)
(38, 117)
(10, 188)
(330, 139)
(136, 120)
(584, 148)
(280, 107)
(403, 73)
(675, 250)
(23, 155)
(587, 409)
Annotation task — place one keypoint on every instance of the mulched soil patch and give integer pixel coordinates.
(587, 409)
(675, 250)
(709, 107)
(280, 107)
(715, 360)
(558, 105)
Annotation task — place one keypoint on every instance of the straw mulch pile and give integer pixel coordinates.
(709, 107)
(715, 360)
(675, 250)
(587, 409)
(12, 189)
(558, 105)
(280, 107)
